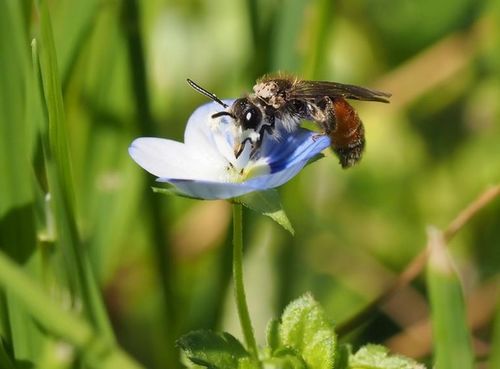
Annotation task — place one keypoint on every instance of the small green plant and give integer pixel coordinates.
(302, 338)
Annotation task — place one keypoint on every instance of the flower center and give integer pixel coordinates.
(245, 166)
(235, 145)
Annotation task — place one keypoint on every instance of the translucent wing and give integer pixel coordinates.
(315, 89)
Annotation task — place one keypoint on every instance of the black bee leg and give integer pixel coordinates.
(265, 128)
(317, 136)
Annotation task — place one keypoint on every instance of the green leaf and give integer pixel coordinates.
(453, 347)
(315, 158)
(215, 350)
(267, 203)
(272, 335)
(342, 356)
(285, 359)
(377, 357)
(306, 329)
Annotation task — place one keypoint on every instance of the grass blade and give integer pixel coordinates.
(17, 221)
(58, 166)
(289, 24)
(451, 336)
(96, 349)
(317, 43)
(73, 24)
(5, 361)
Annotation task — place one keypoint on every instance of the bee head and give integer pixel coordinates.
(247, 114)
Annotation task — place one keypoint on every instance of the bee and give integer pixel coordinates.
(282, 103)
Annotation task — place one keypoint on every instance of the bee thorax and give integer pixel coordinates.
(266, 90)
(269, 91)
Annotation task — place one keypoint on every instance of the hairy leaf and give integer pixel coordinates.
(306, 329)
(215, 350)
(377, 357)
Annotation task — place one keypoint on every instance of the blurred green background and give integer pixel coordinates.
(163, 263)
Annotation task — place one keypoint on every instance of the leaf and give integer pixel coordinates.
(215, 350)
(306, 329)
(452, 339)
(315, 158)
(272, 335)
(342, 356)
(377, 357)
(267, 203)
(285, 359)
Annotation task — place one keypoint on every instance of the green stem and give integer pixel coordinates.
(239, 289)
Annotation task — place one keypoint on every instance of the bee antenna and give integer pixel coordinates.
(222, 113)
(208, 94)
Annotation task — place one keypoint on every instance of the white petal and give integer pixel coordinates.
(171, 159)
(199, 128)
(210, 190)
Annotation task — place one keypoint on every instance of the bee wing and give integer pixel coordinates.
(315, 89)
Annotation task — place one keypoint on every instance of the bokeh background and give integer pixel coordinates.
(163, 263)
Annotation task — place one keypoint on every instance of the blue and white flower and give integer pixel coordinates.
(205, 165)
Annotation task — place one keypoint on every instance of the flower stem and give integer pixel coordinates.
(239, 289)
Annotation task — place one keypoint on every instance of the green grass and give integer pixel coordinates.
(105, 260)
(451, 337)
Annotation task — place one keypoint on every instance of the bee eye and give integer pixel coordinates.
(252, 117)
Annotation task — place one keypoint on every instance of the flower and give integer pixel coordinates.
(205, 165)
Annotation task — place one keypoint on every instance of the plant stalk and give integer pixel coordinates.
(239, 289)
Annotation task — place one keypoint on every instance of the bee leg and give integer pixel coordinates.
(324, 115)
(265, 128)
(239, 148)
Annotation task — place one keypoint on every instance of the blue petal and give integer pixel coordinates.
(293, 148)
(276, 179)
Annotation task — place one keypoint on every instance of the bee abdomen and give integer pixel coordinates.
(348, 135)
(351, 154)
